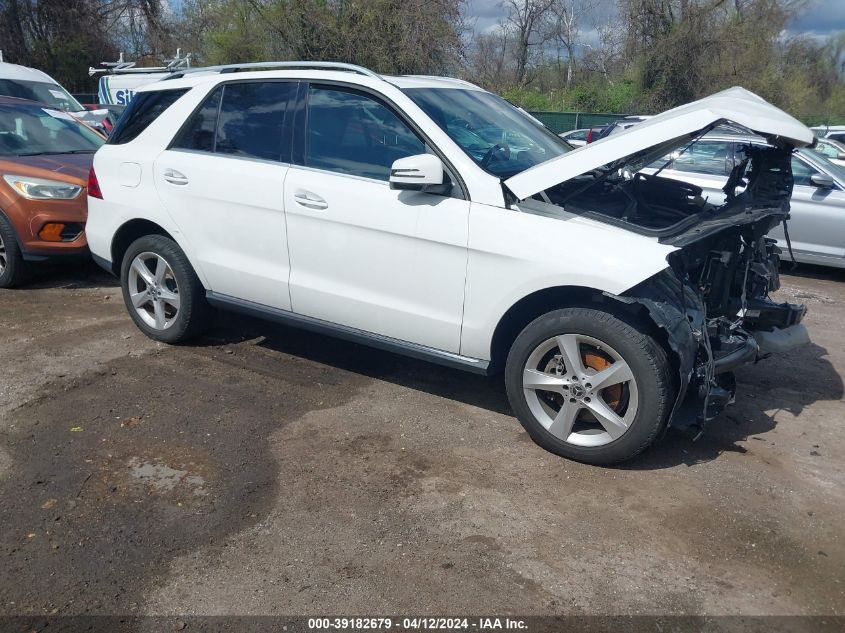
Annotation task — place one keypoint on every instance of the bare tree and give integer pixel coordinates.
(566, 17)
(527, 20)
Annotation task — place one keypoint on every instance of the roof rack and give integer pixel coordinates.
(233, 68)
(122, 67)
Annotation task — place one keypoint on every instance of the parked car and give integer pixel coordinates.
(113, 113)
(835, 132)
(28, 83)
(834, 151)
(339, 200)
(816, 223)
(45, 158)
(576, 138)
(615, 127)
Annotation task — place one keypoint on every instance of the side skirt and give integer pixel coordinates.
(422, 352)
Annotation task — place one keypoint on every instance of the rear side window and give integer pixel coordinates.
(241, 119)
(144, 108)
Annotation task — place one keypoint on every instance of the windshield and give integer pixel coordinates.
(29, 130)
(499, 137)
(51, 94)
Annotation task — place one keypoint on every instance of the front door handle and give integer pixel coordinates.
(175, 177)
(310, 200)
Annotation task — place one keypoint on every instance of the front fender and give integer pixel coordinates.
(514, 253)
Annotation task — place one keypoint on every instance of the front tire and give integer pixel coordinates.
(162, 292)
(589, 386)
(12, 266)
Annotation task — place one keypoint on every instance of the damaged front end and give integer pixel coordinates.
(713, 300)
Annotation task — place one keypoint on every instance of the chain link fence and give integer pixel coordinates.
(559, 122)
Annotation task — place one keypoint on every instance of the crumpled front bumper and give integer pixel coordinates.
(707, 351)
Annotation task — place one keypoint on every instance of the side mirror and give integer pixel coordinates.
(822, 181)
(840, 156)
(422, 172)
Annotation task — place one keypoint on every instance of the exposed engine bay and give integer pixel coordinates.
(712, 302)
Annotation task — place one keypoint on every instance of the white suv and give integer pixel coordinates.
(429, 217)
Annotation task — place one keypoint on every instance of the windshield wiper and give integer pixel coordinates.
(33, 154)
(77, 151)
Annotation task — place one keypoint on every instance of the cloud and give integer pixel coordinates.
(819, 19)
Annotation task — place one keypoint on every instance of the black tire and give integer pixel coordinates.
(645, 356)
(15, 271)
(193, 314)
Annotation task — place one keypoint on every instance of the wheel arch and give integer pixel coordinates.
(128, 233)
(539, 302)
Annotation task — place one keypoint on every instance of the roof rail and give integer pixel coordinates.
(233, 68)
(455, 79)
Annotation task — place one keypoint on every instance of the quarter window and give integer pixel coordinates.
(351, 133)
(142, 110)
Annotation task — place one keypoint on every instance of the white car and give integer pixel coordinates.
(372, 208)
(833, 150)
(32, 84)
(834, 132)
(576, 138)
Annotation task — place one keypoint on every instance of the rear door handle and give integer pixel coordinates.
(309, 200)
(175, 177)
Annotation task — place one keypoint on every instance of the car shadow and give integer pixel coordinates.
(70, 273)
(810, 271)
(486, 392)
(764, 389)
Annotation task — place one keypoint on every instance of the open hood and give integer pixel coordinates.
(656, 137)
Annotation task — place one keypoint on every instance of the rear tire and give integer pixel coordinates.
(162, 292)
(12, 266)
(589, 386)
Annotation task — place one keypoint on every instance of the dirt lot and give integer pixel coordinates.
(271, 471)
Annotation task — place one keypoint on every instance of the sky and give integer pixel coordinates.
(820, 18)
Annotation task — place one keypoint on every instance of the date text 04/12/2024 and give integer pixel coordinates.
(417, 623)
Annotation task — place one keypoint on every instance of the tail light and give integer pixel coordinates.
(589, 140)
(94, 185)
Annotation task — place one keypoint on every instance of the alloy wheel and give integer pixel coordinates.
(153, 290)
(3, 256)
(580, 389)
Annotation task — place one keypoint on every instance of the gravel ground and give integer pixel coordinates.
(267, 470)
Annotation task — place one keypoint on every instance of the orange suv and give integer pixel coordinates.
(45, 157)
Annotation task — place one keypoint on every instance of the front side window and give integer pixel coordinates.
(145, 108)
(499, 137)
(351, 133)
(243, 119)
(802, 172)
(30, 130)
